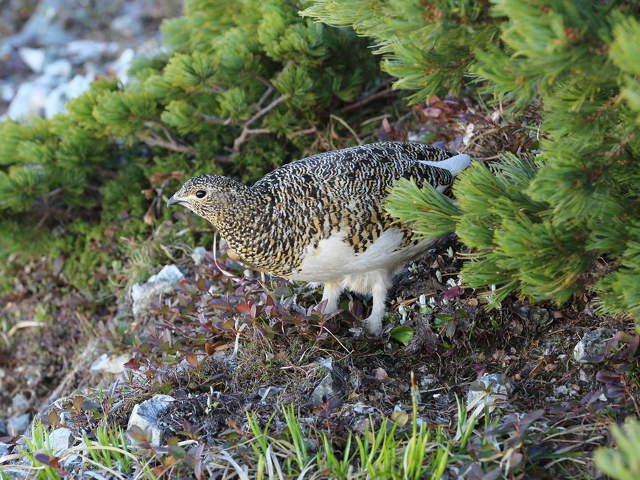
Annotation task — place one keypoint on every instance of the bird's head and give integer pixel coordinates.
(206, 195)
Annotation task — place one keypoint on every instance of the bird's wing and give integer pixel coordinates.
(344, 191)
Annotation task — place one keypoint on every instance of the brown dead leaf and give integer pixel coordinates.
(150, 216)
(192, 359)
(400, 418)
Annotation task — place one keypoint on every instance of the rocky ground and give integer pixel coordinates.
(51, 50)
(203, 342)
(198, 359)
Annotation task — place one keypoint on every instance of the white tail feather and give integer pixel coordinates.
(454, 164)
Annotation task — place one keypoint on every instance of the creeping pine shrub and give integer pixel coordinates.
(243, 86)
(537, 228)
(623, 462)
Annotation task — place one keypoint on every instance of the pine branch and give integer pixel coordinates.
(170, 143)
(265, 95)
(248, 132)
(261, 113)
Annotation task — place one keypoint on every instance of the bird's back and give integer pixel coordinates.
(341, 193)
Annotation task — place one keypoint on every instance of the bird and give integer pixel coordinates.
(322, 219)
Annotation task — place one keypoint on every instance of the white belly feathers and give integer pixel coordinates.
(335, 260)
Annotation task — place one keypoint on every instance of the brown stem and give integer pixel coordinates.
(246, 133)
(154, 141)
(262, 112)
(216, 120)
(264, 96)
(300, 133)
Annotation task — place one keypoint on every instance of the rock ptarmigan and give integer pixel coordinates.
(322, 218)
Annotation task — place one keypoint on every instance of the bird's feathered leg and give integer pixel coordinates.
(380, 287)
(331, 294)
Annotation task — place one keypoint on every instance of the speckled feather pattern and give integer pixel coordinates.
(271, 224)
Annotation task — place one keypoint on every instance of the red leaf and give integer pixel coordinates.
(606, 376)
(244, 307)
(132, 364)
(453, 292)
(53, 462)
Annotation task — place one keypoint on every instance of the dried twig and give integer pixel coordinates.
(170, 143)
(154, 141)
(262, 112)
(264, 96)
(348, 127)
(247, 131)
(216, 120)
(300, 133)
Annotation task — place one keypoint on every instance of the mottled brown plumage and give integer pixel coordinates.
(322, 218)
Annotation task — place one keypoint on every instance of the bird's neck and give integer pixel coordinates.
(239, 214)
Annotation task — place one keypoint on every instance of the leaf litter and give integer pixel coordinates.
(237, 350)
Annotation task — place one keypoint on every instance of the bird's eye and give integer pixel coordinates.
(201, 194)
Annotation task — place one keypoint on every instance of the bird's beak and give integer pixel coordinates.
(174, 201)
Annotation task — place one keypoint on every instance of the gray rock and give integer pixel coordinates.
(18, 425)
(145, 416)
(110, 364)
(59, 68)
(427, 381)
(83, 50)
(198, 255)
(144, 295)
(72, 461)
(121, 66)
(362, 409)
(20, 403)
(7, 91)
(326, 389)
(3, 427)
(169, 273)
(5, 448)
(33, 57)
(491, 390)
(563, 390)
(59, 96)
(266, 392)
(39, 28)
(129, 23)
(29, 100)
(60, 440)
(593, 346)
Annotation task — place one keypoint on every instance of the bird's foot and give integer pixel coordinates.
(373, 325)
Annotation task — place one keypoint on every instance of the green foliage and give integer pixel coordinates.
(37, 450)
(241, 77)
(428, 46)
(110, 449)
(406, 448)
(537, 227)
(623, 462)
